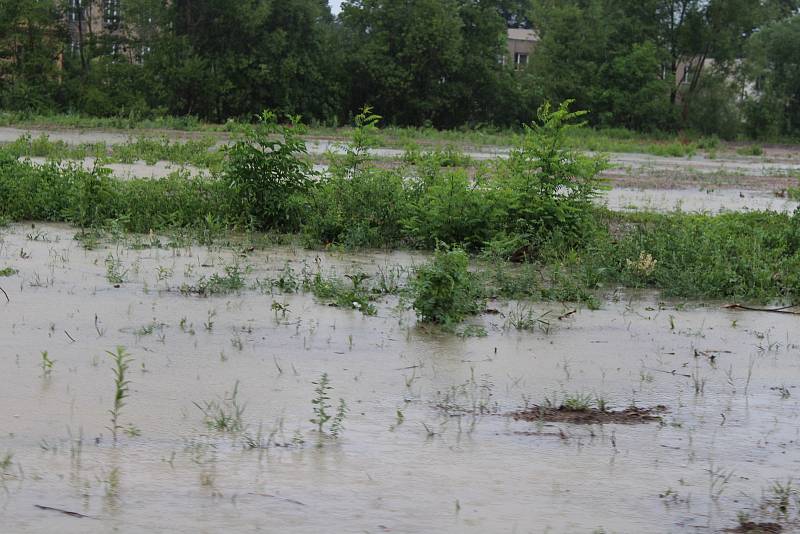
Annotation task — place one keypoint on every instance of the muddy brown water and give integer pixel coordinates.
(444, 468)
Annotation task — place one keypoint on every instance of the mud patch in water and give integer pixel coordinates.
(757, 528)
(590, 416)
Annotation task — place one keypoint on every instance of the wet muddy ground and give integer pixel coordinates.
(428, 444)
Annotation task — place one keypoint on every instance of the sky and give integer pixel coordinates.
(335, 6)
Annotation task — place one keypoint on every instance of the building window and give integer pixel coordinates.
(75, 10)
(111, 13)
(520, 60)
(687, 74)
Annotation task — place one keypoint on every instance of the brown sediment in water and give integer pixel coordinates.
(756, 528)
(590, 416)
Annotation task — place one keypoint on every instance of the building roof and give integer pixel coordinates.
(521, 34)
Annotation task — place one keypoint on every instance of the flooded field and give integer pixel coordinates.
(695, 200)
(216, 433)
(776, 162)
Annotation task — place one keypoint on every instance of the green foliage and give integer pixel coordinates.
(635, 97)
(357, 204)
(447, 206)
(355, 296)
(577, 402)
(545, 187)
(750, 150)
(122, 362)
(323, 415)
(750, 256)
(364, 210)
(794, 192)
(713, 109)
(265, 168)
(218, 284)
(224, 415)
(445, 291)
(423, 63)
(47, 364)
(774, 62)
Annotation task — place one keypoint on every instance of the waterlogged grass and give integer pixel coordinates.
(199, 153)
(601, 140)
(737, 256)
(529, 217)
(131, 122)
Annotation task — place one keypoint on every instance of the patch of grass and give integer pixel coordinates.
(524, 318)
(444, 290)
(794, 193)
(353, 295)
(115, 273)
(231, 281)
(750, 150)
(8, 271)
(577, 402)
(224, 415)
(197, 152)
(73, 120)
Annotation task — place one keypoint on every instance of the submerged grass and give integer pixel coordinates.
(197, 152)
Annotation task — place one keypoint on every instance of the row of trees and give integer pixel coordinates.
(418, 61)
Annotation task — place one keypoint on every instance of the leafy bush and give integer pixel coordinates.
(446, 206)
(445, 292)
(357, 204)
(546, 187)
(266, 171)
(360, 211)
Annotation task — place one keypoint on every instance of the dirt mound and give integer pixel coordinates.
(590, 416)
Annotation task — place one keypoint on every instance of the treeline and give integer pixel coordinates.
(725, 67)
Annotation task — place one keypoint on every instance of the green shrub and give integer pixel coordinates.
(448, 207)
(546, 187)
(445, 292)
(357, 204)
(364, 210)
(266, 171)
(94, 198)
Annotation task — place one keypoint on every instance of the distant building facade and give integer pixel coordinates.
(521, 45)
(101, 21)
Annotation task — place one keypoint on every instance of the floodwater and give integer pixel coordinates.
(426, 446)
(695, 200)
(129, 171)
(783, 163)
